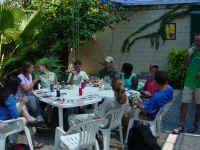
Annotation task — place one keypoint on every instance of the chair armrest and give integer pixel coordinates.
(60, 131)
(21, 122)
(21, 119)
(12, 126)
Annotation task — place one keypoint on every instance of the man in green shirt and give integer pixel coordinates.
(191, 86)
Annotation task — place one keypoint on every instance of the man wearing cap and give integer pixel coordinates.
(108, 69)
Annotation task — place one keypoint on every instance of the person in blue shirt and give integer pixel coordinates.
(8, 107)
(163, 95)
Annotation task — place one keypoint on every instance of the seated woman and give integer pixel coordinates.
(8, 107)
(117, 101)
(162, 95)
(46, 77)
(26, 89)
(128, 77)
(149, 87)
(76, 76)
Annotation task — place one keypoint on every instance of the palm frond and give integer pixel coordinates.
(10, 17)
(32, 26)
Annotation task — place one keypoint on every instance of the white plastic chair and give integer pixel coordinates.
(115, 118)
(81, 136)
(154, 125)
(10, 127)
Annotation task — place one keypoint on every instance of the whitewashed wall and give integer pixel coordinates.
(141, 54)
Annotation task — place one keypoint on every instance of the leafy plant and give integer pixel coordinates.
(46, 31)
(17, 37)
(70, 25)
(176, 64)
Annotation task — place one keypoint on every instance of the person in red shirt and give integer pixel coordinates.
(149, 87)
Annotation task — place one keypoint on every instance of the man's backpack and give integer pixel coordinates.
(141, 138)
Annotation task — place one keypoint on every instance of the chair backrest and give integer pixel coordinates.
(87, 131)
(114, 117)
(163, 110)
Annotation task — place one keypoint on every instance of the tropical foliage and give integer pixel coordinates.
(176, 64)
(17, 36)
(69, 21)
(42, 30)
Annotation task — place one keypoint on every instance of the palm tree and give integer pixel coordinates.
(17, 33)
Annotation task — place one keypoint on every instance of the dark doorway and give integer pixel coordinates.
(195, 21)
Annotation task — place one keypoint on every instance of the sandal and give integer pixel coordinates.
(178, 130)
(38, 145)
(193, 129)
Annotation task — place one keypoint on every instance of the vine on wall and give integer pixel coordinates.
(157, 35)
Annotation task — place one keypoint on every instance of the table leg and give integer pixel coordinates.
(60, 111)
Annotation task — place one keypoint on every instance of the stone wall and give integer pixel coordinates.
(141, 54)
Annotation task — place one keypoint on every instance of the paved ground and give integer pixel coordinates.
(170, 120)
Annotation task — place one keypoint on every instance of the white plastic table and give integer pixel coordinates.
(70, 98)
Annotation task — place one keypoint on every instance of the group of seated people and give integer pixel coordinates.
(18, 99)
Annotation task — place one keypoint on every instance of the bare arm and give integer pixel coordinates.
(134, 83)
(21, 104)
(187, 61)
(141, 107)
(190, 53)
(30, 87)
(71, 79)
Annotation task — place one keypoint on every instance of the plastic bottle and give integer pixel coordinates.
(58, 90)
(51, 87)
(63, 84)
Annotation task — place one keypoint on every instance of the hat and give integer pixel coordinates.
(109, 59)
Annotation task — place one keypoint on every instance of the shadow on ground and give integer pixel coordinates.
(171, 118)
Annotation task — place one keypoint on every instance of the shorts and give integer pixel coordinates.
(190, 94)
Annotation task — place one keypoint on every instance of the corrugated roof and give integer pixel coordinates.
(154, 2)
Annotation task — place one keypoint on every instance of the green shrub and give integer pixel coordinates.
(176, 66)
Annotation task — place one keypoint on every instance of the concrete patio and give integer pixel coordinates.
(183, 141)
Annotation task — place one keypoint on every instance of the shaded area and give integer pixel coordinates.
(171, 118)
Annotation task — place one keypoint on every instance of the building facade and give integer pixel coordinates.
(141, 54)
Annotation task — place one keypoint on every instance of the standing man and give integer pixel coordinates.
(108, 69)
(191, 86)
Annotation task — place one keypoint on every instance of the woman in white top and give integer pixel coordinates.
(76, 76)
